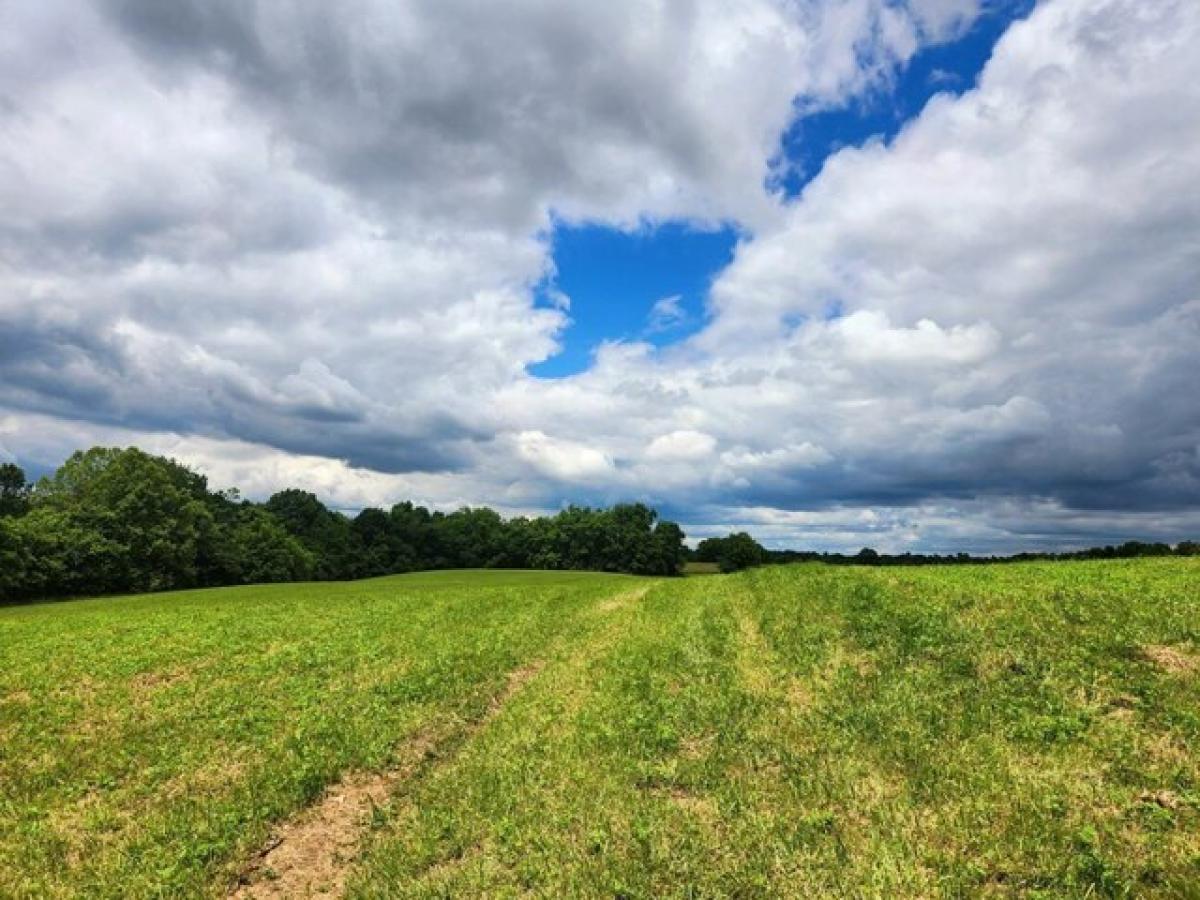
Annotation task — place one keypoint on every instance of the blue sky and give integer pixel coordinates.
(952, 68)
(615, 277)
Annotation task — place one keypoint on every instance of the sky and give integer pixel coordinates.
(911, 274)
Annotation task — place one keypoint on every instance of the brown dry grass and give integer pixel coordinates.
(1171, 660)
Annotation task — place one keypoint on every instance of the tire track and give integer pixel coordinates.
(313, 853)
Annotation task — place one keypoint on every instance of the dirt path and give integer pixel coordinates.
(312, 854)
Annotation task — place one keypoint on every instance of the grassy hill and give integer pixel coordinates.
(798, 731)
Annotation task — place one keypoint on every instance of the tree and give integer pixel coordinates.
(629, 544)
(118, 519)
(265, 552)
(668, 553)
(733, 553)
(470, 538)
(376, 541)
(411, 528)
(740, 552)
(709, 550)
(325, 534)
(14, 491)
(14, 563)
(148, 511)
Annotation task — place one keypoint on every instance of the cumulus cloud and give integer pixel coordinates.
(681, 445)
(560, 459)
(290, 240)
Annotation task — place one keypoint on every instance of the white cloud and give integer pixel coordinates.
(681, 445)
(867, 337)
(666, 314)
(565, 460)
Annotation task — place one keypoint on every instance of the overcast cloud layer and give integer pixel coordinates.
(297, 243)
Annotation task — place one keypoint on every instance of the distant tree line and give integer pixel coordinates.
(869, 557)
(120, 520)
(740, 551)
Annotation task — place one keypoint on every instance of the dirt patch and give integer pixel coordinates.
(1171, 659)
(311, 855)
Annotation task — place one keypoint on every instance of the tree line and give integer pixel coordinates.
(869, 557)
(113, 520)
(741, 551)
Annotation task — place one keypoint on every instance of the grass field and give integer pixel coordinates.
(1017, 730)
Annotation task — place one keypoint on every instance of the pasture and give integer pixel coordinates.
(797, 731)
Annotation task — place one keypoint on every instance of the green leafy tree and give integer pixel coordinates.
(733, 553)
(148, 510)
(411, 528)
(741, 551)
(14, 491)
(327, 535)
(470, 538)
(669, 550)
(265, 552)
(50, 553)
(378, 543)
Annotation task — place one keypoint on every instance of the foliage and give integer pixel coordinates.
(325, 534)
(143, 519)
(255, 548)
(121, 520)
(14, 491)
(870, 557)
(734, 553)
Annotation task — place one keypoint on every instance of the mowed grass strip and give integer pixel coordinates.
(149, 744)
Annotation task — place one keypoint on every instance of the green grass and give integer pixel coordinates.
(1017, 730)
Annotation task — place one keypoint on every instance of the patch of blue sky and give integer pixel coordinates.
(952, 67)
(648, 284)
